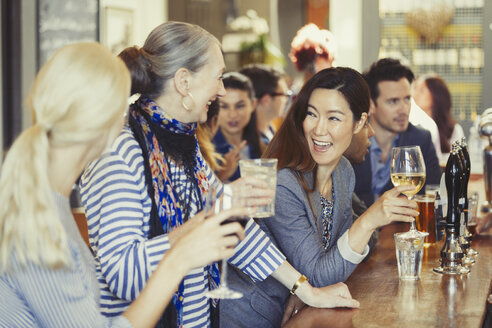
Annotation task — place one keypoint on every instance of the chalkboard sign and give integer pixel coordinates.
(61, 22)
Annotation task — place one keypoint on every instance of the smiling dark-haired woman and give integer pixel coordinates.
(312, 224)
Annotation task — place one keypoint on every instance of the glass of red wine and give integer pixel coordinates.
(227, 201)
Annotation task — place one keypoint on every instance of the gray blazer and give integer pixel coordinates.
(296, 232)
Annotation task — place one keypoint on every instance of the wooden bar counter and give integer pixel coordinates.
(435, 300)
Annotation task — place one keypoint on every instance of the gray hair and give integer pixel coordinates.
(169, 47)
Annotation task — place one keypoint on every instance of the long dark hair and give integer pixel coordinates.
(238, 81)
(441, 109)
(289, 144)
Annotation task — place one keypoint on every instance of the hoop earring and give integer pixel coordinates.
(184, 104)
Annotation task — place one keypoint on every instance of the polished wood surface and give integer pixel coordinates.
(81, 221)
(433, 301)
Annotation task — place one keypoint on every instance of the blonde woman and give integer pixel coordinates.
(47, 274)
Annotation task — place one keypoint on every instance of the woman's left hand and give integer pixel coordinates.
(337, 295)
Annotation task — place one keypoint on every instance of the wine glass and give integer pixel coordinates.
(408, 168)
(227, 201)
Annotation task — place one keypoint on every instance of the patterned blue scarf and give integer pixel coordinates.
(165, 197)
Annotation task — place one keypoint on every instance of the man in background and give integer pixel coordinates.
(272, 94)
(389, 84)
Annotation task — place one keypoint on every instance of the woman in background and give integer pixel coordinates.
(431, 93)
(237, 137)
(273, 96)
(47, 274)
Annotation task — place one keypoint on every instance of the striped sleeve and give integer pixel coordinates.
(256, 255)
(117, 208)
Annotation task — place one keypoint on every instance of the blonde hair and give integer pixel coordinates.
(77, 96)
(207, 148)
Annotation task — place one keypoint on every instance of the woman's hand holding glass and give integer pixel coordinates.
(252, 191)
(391, 206)
(247, 193)
(408, 168)
(207, 239)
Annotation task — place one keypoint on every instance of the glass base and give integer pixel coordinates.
(471, 252)
(224, 293)
(452, 270)
(468, 260)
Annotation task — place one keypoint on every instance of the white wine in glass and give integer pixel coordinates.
(412, 179)
(408, 168)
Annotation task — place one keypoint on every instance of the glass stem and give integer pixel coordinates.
(223, 276)
(412, 224)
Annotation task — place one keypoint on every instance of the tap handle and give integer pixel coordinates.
(440, 220)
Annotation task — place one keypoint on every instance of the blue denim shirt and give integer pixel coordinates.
(267, 137)
(380, 170)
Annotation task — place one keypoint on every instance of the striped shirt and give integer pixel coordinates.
(118, 206)
(35, 296)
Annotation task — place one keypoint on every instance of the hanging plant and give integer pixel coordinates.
(430, 23)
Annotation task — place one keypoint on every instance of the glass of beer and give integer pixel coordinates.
(431, 189)
(426, 221)
(263, 169)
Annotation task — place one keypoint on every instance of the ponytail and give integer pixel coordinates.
(30, 229)
(139, 68)
(77, 96)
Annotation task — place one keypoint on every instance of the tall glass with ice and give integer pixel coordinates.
(409, 253)
(264, 169)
